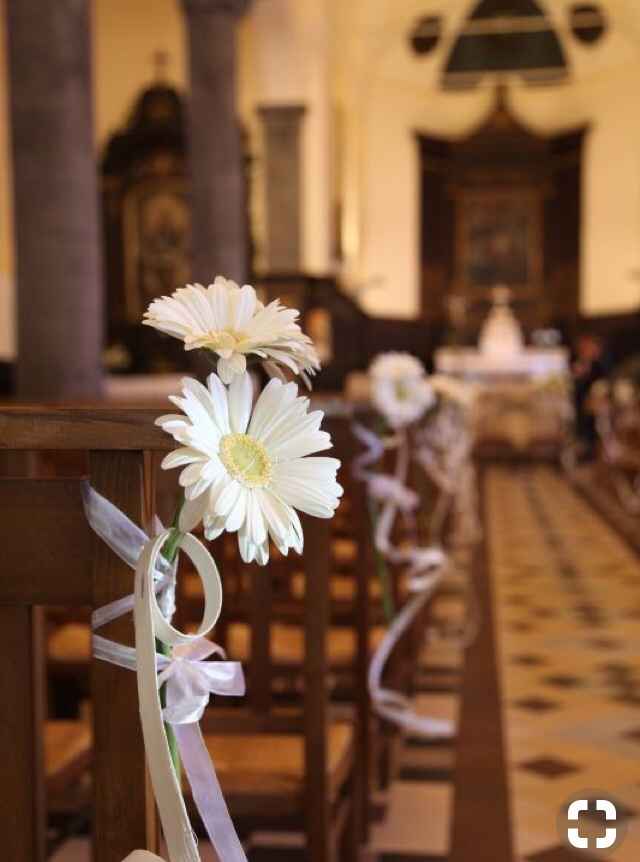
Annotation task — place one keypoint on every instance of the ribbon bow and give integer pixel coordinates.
(387, 488)
(191, 680)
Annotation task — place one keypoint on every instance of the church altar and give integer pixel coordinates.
(523, 403)
(531, 363)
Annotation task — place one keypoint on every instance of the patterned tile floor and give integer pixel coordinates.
(417, 823)
(566, 592)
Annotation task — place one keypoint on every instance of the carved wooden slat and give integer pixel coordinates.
(347, 448)
(124, 809)
(46, 543)
(93, 428)
(364, 567)
(23, 810)
(260, 676)
(316, 614)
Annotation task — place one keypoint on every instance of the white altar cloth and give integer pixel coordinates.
(523, 401)
(530, 363)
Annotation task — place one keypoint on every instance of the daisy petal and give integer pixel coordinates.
(179, 457)
(240, 398)
(192, 513)
(230, 321)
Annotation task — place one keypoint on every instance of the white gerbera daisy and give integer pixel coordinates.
(400, 389)
(247, 470)
(396, 364)
(232, 322)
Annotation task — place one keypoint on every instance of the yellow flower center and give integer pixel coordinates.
(403, 392)
(218, 339)
(246, 459)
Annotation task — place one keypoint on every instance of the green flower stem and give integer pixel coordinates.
(382, 570)
(170, 552)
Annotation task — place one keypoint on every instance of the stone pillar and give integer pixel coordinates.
(282, 179)
(218, 194)
(58, 266)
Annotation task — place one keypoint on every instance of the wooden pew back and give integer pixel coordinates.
(51, 557)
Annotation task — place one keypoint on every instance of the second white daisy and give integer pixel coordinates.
(400, 389)
(248, 470)
(232, 323)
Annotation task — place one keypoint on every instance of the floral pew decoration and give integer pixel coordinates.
(444, 450)
(248, 466)
(413, 417)
(615, 406)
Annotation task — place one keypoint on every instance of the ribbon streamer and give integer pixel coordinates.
(443, 450)
(392, 705)
(142, 856)
(189, 680)
(426, 568)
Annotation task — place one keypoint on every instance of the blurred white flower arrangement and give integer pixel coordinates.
(400, 388)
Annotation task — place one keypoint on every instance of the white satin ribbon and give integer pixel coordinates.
(189, 681)
(425, 568)
(393, 705)
(443, 449)
(142, 856)
(149, 625)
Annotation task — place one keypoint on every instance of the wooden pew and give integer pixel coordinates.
(51, 557)
(67, 565)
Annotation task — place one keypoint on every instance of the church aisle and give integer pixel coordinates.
(567, 604)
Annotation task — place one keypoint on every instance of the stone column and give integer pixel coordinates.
(218, 195)
(58, 267)
(282, 178)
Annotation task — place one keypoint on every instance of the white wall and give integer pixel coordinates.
(126, 37)
(290, 64)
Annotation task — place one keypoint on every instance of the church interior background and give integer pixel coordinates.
(458, 181)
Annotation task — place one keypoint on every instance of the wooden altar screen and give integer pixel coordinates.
(501, 206)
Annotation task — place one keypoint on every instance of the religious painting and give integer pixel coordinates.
(498, 241)
(501, 206)
(156, 226)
